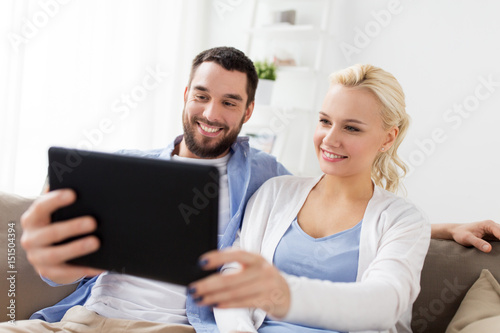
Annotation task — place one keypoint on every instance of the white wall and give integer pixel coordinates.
(443, 53)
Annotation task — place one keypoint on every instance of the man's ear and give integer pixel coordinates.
(392, 134)
(249, 111)
(186, 94)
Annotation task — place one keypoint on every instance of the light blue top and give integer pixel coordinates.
(333, 258)
(247, 169)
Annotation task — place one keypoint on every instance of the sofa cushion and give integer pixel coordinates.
(22, 292)
(450, 269)
(480, 309)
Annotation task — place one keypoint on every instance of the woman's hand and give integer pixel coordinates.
(258, 284)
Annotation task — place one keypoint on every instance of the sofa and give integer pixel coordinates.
(448, 274)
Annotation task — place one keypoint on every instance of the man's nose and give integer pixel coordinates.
(212, 112)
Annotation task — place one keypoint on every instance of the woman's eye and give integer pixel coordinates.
(324, 121)
(351, 129)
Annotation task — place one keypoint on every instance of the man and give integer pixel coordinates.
(219, 98)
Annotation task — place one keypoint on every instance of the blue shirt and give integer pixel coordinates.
(333, 258)
(247, 169)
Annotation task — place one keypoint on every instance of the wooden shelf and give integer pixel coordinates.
(286, 30)
(296, 70)
(292, 115)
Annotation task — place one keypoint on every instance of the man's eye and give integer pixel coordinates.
(229, 104)
(201, 97)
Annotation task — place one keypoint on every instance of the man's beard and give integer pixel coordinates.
(202, 149)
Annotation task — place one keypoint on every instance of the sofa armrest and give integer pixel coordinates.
(449, 271)
(22, 291)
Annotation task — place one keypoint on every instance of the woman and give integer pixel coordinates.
(347, 253)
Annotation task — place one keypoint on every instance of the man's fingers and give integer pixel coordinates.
(39, 236)
(492, 229)
(50, 261)
(40, 211)
(56, 255)
(482, 245)
(478, 243)
(65, 273)
(58, 232)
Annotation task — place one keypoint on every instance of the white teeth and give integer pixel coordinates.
(332, 155)
(209, 129)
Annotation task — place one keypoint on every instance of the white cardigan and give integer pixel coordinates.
(395, 237)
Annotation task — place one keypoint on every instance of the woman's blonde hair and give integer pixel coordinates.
(388, 91)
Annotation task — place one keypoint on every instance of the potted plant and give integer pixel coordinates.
(266, 72)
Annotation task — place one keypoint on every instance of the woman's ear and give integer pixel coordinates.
(391, 136)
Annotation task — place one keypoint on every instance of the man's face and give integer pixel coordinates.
(214, 111)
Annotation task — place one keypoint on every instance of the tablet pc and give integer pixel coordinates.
(155, 217)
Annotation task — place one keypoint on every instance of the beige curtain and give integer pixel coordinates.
(90, 74)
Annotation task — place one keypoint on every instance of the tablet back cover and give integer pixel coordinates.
(155, 217)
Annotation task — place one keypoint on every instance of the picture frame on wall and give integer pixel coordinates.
(260, 139)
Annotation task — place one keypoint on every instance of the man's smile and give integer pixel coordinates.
(208, 130)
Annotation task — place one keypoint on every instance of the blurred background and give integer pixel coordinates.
(107, 75)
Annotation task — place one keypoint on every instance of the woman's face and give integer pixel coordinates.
(349, 134)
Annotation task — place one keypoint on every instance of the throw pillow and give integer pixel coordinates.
(480, 309)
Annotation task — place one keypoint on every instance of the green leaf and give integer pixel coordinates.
(265, 70)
